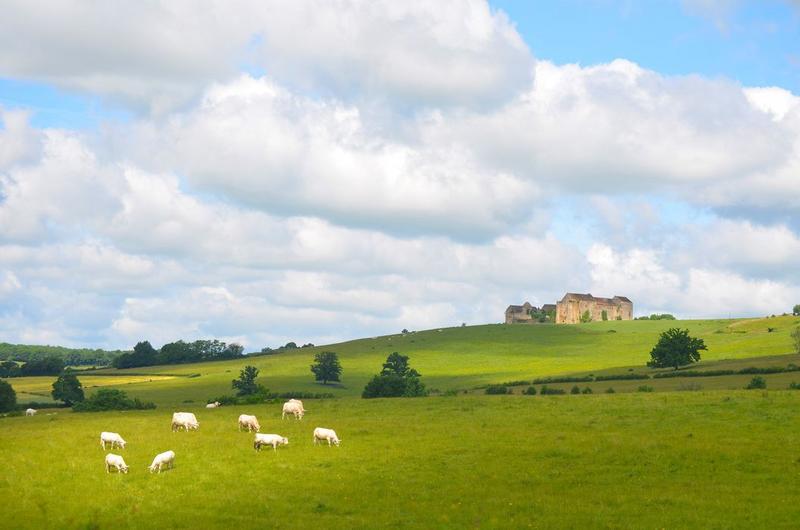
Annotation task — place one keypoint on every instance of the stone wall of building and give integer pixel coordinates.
(570, 308)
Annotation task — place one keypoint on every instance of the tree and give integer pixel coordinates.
(246, 384)
(796, 310)
(8, 398)
(675, 348)
(397, 379)
(68, 389)
(604, 315)
(586, 317)
(796, 339)
(326, 367)
(143, 354)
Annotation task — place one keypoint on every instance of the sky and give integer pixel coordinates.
(263, 172)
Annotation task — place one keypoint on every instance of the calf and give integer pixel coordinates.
(213, 405)
(269, 439)
(322, 434)
(249, 422)
(187, 420)
(116, 462)
(293, 407)
(165, 459)
(112, 438)
(31, 412)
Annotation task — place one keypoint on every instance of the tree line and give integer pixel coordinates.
(180, 352)
(70, 356)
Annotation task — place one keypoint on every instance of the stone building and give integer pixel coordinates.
(519, 313)
(570, 308)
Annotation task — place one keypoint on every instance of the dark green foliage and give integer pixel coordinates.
(757, 382)
(68, 389)
(70, 356)
(516, 383)
(326, 367)
(586, 317)
(545, 391)
(575, 390)
(604, 315)
(645, 388)
(694, 373)
(621, 377)
(179, 352)
(586, 390)
(796, 310)
(110, 399)
(675, 348)
(610, 390)
(656, 316)
(794, 386)
(246, 384)
(566, 379)
(10, 369)
(8, 398)
(530, 391)
(496, 389)
(397, 379)
(43, 366)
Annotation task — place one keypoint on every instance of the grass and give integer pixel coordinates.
(459, 358)
(681, 460)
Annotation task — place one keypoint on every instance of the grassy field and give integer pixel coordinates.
(675, 460)
(462, 358)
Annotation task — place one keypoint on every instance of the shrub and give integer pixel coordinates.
(794, 386)
(610, 390)
(621, 377)
(8, 398)
(516, 383)
(575, 390)
(586, 390)
(756, 383)
(545, 391)
(530, 391)
(110, 399)
(449, 393)
(645, 388)
(565, 379)
(496, 389)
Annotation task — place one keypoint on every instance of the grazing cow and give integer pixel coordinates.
(293, 407)
(31, 412)
(165, 459)
(116, 462)
(269, 439)
(321, 434)
(249, 422)
(213, 405)
(187, 420)
(112, 438)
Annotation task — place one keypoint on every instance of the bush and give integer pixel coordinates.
(530, 391)
(621, 377)
(575, 390)
(450, 393)
(610, 390)
(756, 383)
(694, 373)
(111, 399)
(645, 388)
(794, 386)
(545, 391)
(8, 398)
(565, 379)
(586, 390)
(516, 383)
(496, 389)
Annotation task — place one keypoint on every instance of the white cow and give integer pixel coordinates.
(31, 412)
(187, 420)
(165, 459)
(116, 462)
(293, 407)
(112, 438)
(213, 405)
(269, 439)
(249, 422)
(321, 434)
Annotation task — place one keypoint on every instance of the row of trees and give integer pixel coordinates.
(179, 352)
(44, 366)
(69, 356)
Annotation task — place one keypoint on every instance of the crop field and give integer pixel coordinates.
(727, 459)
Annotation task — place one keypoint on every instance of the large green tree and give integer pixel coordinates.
(796, 310)
(326, 367)
(8, 398)
(397, 379)
(675, 348)
(68, 389)
(246, 384)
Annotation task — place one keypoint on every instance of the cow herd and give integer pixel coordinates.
(188, 422)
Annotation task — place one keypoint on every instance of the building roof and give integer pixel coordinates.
(549, 307)
(623, 298)
(515, 309)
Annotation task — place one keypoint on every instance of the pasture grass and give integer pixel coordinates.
(725, 459)
(459, 358)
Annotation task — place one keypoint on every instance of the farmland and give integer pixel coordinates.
(713, 457)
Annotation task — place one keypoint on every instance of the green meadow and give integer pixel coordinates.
(695, 453)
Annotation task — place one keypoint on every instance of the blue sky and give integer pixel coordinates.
(266, 172)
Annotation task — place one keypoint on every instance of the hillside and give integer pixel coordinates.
(451, 358)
